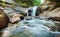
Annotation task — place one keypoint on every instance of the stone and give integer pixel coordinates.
(3, 20)
(15, 18)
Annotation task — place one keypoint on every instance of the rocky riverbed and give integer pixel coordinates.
(45, 25)
(31, 28)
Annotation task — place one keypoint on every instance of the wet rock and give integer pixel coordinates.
(49, 5)
(55, 18)
(3, 20)
(10, 1)
(16, 18)
(0, 33)
(54, 13)
(57, 26)
(39, 11)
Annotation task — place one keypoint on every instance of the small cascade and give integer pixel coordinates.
(34, 10)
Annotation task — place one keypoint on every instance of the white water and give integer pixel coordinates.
(34, 10)
(36, 27)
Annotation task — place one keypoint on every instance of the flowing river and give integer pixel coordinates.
(37, 27)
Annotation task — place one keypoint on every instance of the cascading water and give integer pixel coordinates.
(34, 10)
(33, 27)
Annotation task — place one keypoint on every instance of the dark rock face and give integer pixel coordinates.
(39, 11)
(55, 18)
(3, 20)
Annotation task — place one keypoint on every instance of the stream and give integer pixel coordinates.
(31, 28)
(34, 27)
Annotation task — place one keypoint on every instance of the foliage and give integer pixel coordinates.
(2, 3)
(28, 2)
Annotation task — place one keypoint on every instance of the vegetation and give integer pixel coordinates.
(27, 3)
(2, 3)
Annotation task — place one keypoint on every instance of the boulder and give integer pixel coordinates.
(3, 20)
(16, 18)
(53, 13)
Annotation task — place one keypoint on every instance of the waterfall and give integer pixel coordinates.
(34, 10)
